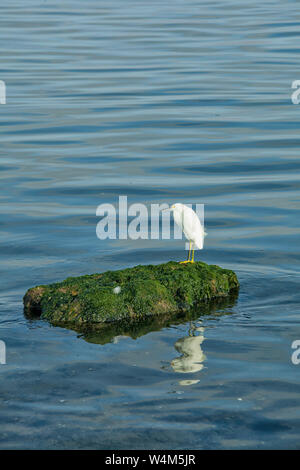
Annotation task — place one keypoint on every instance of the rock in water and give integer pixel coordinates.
(129, 295)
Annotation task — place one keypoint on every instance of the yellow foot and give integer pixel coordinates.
(184, 262)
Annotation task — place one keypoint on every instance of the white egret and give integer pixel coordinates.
(187, 219)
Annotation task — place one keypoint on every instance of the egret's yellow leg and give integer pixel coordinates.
(188, 260)
(193, 254)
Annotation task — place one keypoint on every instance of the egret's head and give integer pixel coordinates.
(178, 207)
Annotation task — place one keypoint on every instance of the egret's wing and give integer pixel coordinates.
(191, 223)
(192, 228)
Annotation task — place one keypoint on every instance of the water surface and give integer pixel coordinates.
(182, 101)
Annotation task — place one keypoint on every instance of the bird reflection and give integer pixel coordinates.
(192, 356)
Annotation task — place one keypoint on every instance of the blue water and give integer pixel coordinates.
(182, 101)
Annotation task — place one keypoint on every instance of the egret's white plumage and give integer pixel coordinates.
(187, 219)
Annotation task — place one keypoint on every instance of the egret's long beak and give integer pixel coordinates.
(168, 209)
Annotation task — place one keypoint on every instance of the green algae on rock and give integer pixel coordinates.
(129, 295)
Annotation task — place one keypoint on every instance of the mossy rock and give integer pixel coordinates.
(130, 295)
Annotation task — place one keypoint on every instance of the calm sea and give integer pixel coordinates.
(182, 101)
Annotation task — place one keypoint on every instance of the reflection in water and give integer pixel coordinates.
(188, 382)
(192, 356)
(189, 347)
